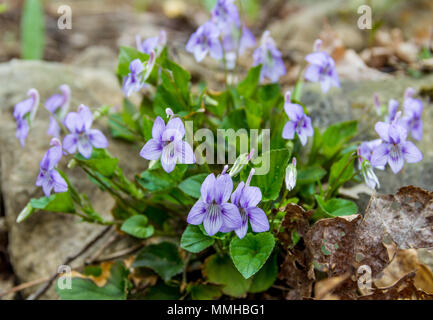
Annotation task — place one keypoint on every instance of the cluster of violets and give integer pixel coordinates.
(224, 37)
(393, 148)
(217, 214)
(80, 136)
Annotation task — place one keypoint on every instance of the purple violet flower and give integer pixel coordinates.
(412, 114)
(49, 178)
(392, 110)
(138, 74)
(225, 14)
(394, 148)
(82, 137)
(205, 40)
(299, 122)
(152, 44)
(24, 114)
(213, 209)
(167, 143)
(365, 150)
(321, 68)
(58, 104)
(235, 43)
(247, 198)
(270, 58)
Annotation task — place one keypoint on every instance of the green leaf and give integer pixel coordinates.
(137, 226)
(101, 162)
(341, 171)
(249, 85)
(254, 111)
(58, 202)
(266, 276)
(194, 240)
(32, 30)
(271, 182)
(336, 136)
(220, 270)
(310, 175)
(191, 186)
(181, 78)
(163, 258)
(163, 291)
(126, 56)
(205, 292)
(86, 289)
(156, 179)
(250, 253)
(334, 207)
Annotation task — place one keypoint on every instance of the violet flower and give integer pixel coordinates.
(299, 122)
(412, 114)
(82, 137)
(365, 150)
(225, 14)
(205, 40)
(58, 104)
(213, 209)
(247, 198)
(138, 74)
(394, 148)
(321, 68)
(49, 178)
(392, 110)
(235, 43)
(167, 143)
(369, 176)
(24, 114)
(152, 44)
(270, 58)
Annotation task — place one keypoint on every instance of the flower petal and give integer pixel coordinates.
(73, 122)
(59, 183)
(382, 130)
(231, 216)
(151, 150)
(312, 73)
(237, 193)
(168, 157)
(85, 147)
(411, 153)
(213, 220)
(86, 116)
(396, 159)
(250, 197)
(294, 111)
(207, 188)
(380, 155)
(175, 130)
(289, 130)
(258, 219)
(70, 143)
(158, 128)
(184, 152)
(97, 139)
(197, 212)
(223, 188)
(242, 230)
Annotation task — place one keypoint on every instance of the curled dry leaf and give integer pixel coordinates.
(323, 289)
(404, 289)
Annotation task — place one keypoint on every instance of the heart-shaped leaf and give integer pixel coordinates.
(194, 240)
(137, 226)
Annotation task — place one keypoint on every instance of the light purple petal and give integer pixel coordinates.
(73, 122)
(382, 130)
(411, 153)
(185, 154)
(237, 193)
(97, 139)
(223, 188)
(289, 130)
(230, 216)
(215, 49)
(151, 150)
(250, 197)
(380, 155)
(207, 188)
(168, 157)
(86, 116)
(84, 147)
(60, 184)
(175, 130)
(242, 230)
(417, 130)
(318, 58)
(47, 186)
(70, 143)
(158, 128)
(54, 102)
(325, 84)
(258, 219)
(197, 212)
(213, 220)
(396, 158)
(312, 73)
(53, 128)
(302, 136)
(294, 111)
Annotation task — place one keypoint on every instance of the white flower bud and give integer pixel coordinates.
(291, 174)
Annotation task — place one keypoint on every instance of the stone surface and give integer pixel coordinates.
(38, 245)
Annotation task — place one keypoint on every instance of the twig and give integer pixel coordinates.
(118, 254)
(23, 286)
(68, 260)
(98, 253)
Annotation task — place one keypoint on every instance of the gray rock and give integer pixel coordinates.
(40, 244)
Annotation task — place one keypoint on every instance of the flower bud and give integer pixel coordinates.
(72, 164)
(240, 163)
(369, 176)
(291, 174)
(25, 213)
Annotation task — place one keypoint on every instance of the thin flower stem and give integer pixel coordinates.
(332, 189)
